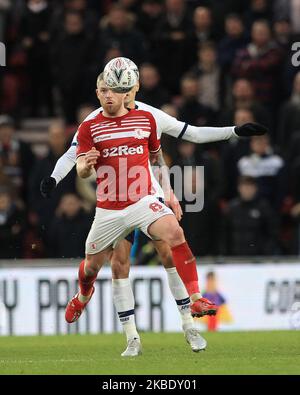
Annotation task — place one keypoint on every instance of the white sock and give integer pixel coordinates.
(124, 303)
(195, 297)
(181, 297)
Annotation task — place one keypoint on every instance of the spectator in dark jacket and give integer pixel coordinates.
(260, 62)
(90, 17)
(293, 164)
(259, 9)
(151, 91)
(69, 229)
(235, 39)
(4, 12)
(72, 61)
(174, 44)
(45, 208)
(35, 38)
(191, 110)
(201, 227)
(118, 31)
(149, 18)
(289, 119)
(283, 33)
(233, 151)
(12, 226)
(200, 224)
(203, 25)
(250, 227)
(243, 97)
(187, 154)
(190, 154)
(16, 157)
(295, 216)
(289, 10)
(267, 168)
(209, 75)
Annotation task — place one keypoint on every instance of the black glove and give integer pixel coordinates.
(251, 129)
(48, 184)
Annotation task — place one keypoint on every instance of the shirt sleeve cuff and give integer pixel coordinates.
(154, 152)
(83, 153)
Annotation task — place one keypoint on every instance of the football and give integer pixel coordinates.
(121, 74)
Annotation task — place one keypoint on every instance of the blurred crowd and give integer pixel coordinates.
(206, 62)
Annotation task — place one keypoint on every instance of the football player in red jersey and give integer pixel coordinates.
(178, 129)
(109, 140)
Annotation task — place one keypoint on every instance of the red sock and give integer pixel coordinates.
(212, 323)
(85, 282)
(185, 263)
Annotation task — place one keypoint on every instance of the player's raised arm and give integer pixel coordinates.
(62, 168)
(199, 135)
(64, 164)
(210, 134)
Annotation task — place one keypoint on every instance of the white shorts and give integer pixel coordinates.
(111, 226)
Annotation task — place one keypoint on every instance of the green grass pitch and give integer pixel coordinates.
(275, 352)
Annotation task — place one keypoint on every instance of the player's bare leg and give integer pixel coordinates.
(175, 283)
(181, 297)
(120, 267)
(185, 262)
(87, 275)
(123, 297)
(120, 260)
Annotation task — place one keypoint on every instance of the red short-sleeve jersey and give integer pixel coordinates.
(124, 144)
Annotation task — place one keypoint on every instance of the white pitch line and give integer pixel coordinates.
(44, 360)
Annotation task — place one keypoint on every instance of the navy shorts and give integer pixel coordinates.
(130, 237)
